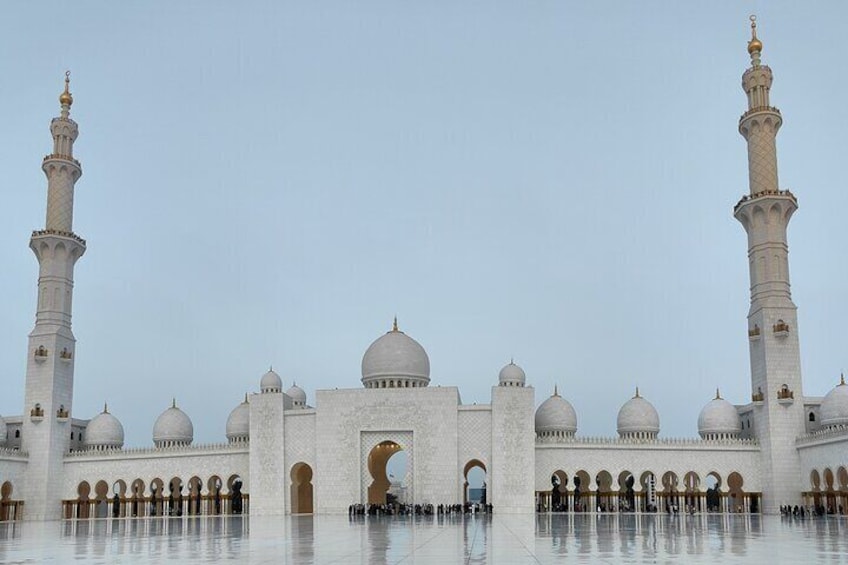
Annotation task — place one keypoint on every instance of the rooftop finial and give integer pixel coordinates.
(718, 394)
(841, 379)
(105, 408)
(394, 325)
(637, 393)
(556, 392)
(174, 402)
(755, 46)
(245, 398)
(65, 99)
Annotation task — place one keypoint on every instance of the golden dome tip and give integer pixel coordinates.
(65, 99)
(755, 44)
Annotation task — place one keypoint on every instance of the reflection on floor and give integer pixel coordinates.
(544, 538)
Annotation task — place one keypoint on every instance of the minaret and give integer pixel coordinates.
(772, 321)
(50, 358)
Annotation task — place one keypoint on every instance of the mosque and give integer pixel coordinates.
(286, 454)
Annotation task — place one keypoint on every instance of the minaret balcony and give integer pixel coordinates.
(65, 356)
(40, 354)
(785, 396)
(60, 233)
(37, 413)
(59, 156)
(780, 329)
(759, 109)
(782, 194)
(754, 333)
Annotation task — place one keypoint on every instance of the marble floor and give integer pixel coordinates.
(596, 538)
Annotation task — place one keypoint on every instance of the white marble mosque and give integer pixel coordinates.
(288, 454)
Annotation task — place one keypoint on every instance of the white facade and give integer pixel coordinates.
(287, 456)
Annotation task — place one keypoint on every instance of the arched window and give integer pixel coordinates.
(812, 417)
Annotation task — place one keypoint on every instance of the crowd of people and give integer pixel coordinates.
(396, 509)
(804, 511)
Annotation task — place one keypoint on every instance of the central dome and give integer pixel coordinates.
(395, 360)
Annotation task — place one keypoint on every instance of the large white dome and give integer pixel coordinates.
(511, 375)
(555, 417)
(719, 419)
(638, 418)
(395, 360)
(270, 382)
(173, 427)
(104, 431)
(238, 424)
(834, 407)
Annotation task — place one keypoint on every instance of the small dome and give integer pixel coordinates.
(173, 427)
(104, 431)
(511, 375)
(395, 358)
(3, 433)
(719, 419)
(638, 418)
(556, 416)
(271, 382)
(238, 424)
(834, 407)
(297, 394)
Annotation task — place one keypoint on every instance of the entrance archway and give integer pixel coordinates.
(475, 480)
(300, 491)
(378, 458)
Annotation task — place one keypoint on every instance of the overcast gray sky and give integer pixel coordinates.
(269, 183)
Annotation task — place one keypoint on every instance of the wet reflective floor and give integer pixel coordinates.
(547, 538)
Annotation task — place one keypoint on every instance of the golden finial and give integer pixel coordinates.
(245, 398)
(718, 395)
(841, 379)
(556, 392)
(105, 408)
(174, 402)
(637, 393)
(512, 360)
(65, 99)
(394, 325)
(755, 45)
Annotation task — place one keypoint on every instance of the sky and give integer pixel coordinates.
(268, 184)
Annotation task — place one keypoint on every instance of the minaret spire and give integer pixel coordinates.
(50, 359)
(772, 318)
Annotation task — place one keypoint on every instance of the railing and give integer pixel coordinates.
(60, 233)
(202, 447)
(11, 510)
(759, 109)
(12, 452)
(746, 442)
(63, 157)
(824, 434)
(147, 506)
(763, 193)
